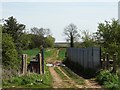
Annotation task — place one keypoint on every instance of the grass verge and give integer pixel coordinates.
(60, 73)
(31, 80)
(73, 76)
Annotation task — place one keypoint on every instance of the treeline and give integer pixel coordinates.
(15, 38)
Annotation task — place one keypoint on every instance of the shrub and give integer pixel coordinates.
(109, 80)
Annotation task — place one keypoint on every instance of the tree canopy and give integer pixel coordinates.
(71, 33)
(108, 35)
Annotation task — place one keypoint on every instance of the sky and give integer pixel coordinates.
(56, 15)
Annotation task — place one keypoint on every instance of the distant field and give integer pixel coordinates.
(61, 54)
(31, 52)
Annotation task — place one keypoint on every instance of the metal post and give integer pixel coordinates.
(114, 63)
(107, 57)
(104, 62)
(42, 60)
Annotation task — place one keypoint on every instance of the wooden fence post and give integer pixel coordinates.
(24, 63)
(40, 63)
(114, 63)
(107, 57)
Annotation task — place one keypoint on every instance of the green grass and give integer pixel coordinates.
(30, 81)
(73, 76)
(31, 52)
(60, 73)
(61, 54)
(49, 53)
(27, 80)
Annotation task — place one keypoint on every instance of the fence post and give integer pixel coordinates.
(42, 52)
(104, 62)
(24, 63)
(114, 63)
(107, 57)
(40, 63)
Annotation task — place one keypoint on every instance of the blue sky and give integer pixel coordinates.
(57, 15)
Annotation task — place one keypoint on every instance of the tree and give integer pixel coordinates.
(72, 34)
(40, 31)
(87, 39)
(26, 41)
(108, 35)
(13, 28)
(49, 41)
(9, 53)
(39, 36)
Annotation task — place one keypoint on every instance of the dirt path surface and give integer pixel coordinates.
(70, 80)
(60, 83)
(57, 81)
(91, 83)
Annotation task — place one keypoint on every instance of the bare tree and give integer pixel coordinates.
(72, 34)
(41, 31)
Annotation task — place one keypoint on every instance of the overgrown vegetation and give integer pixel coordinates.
(31, 80)
(109, 80)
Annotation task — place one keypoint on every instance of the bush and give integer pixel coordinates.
(9, 53)
(108, 79)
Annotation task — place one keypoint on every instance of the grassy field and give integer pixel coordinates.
(49, 53)
(61, 54)
(31, 52)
